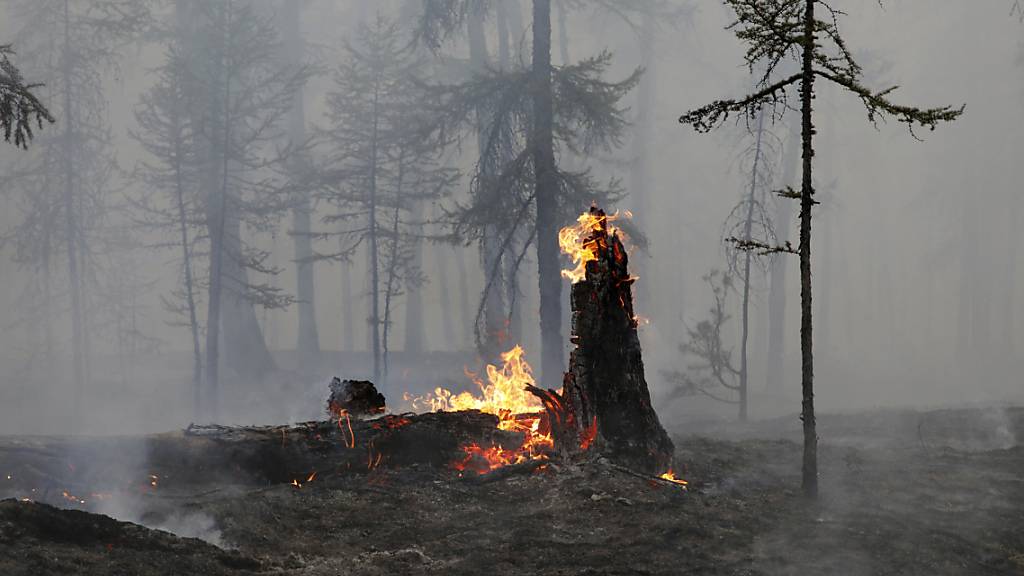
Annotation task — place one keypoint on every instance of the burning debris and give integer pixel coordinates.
(604, 404)
(357, 398)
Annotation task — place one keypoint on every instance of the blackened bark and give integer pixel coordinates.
(546, 190)
(810, 459)
(605, 384)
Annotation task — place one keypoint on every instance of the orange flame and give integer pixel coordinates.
(671, 477)
(504, 395)
(574, 241)
(351, 441)
(588, 435)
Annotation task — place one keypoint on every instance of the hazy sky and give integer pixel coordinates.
(897, 278)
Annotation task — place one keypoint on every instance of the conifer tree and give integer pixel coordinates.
(807, 31)
(379, 168)
(20, 108)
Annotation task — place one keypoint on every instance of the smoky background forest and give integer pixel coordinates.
(916, 263)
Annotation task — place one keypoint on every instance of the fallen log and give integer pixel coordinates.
(44, 468)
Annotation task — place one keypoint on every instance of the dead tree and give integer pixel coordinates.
(605, 404)
(777, 30)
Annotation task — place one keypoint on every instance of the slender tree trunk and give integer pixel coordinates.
(308, 343)
(186, 254)
(216, 220)
(374, 262)
(774, 365)
(563, 34)
(747, 256)
(810, 459)
(546, 191)
(390, 286)
(462, 284)
(348, 339)
(414, 333)
(441, 256)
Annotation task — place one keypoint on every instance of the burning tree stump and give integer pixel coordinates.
(605, 404)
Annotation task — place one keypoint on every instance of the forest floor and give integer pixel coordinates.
(931, 493)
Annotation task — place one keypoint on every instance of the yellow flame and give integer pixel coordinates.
(504, 395)
(573, 242)
(671, 477)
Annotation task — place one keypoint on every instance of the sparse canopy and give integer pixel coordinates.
(774, 30)
(20, 109)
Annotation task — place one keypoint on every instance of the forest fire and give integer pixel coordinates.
(581, 244)
(504, 395)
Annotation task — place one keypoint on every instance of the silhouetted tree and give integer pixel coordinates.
(69, 173)
(775, 30)
(379, 169)
(519, 191)
(20, 108)
(713, 373)
(747, 223)
(169, 204)
(240, 93)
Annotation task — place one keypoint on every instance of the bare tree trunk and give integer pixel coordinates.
(186, 255)
(463, 296)
(374, 262)
(389, 288)
(308, 343)
(70, 220)
(414, 333)
(245, 349)
(774, 365)
(810, 459)
(447, 313)
(546, 192)
(563, 33)
(348, 338)
(747, 256)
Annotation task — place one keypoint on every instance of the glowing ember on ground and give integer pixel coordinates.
(504, 395)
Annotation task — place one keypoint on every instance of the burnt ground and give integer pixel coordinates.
(902, 493)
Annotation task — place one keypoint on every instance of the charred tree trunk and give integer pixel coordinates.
(605, 402)
(810, 459)
(216, 455)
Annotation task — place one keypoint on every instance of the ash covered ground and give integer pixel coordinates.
(938, 492)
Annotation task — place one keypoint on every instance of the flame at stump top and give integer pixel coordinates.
(605, 382)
